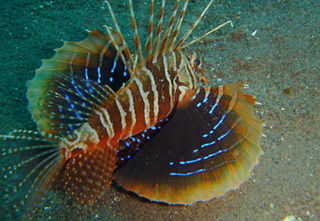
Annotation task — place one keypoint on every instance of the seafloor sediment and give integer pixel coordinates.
(273, 48)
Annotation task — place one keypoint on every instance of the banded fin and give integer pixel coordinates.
(66, 105)
(76, 79)
(30, 164)
(89, 173)
(209, 146)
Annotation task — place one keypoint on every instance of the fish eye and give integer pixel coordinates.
(197, 62)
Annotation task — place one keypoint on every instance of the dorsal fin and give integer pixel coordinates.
(186, 35)
(167, 34)
(148, 48)
(158, 33)
(137, 43)
(76, 79)
(174, 35)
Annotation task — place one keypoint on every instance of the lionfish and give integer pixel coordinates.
(145, 120)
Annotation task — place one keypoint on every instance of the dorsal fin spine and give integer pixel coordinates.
(158, 32)
(148, 47)
(137, 42)
(169, 29)
(204, 35)
(186, 35)
(175, 33)
(128, 62)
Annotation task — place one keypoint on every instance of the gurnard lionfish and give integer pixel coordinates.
(146, 120)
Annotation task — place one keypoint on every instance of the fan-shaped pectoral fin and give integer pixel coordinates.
(208, 146)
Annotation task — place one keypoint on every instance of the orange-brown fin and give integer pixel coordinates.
(76, 79)
(209, 145)
(89, 173)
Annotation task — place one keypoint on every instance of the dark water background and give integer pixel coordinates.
(280, 64)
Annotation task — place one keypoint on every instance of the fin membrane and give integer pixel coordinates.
(209, 145)
(71, 83)
(30, 164)
(89, 173)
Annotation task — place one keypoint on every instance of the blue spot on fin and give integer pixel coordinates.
(73, 80)
(180, 161)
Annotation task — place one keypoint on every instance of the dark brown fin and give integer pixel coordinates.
(76, 79)
(209, 146)
(31, 164)
(89, 173)
(132, 145)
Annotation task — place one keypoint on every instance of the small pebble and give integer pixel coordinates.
(292, 218)
(271, 205)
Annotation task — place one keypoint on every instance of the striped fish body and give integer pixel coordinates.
(143, 102)
(147, 99)
(143, 122)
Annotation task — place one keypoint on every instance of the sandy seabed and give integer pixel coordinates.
(273, 48)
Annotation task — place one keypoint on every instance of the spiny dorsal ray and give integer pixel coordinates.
(137, 43)
(158, 33)
(148, 48)
(175, 33)
(186, 35)
(168, 31)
